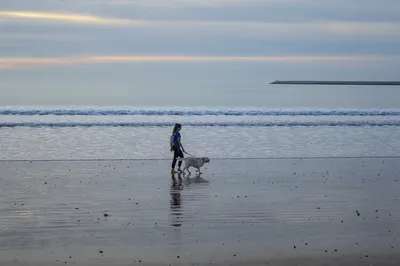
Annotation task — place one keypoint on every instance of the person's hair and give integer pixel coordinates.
(176, 126)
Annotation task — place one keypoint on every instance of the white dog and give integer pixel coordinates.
(194, 162)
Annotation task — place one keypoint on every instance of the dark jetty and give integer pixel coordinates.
(306, 82)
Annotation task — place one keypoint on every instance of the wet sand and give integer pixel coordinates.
(239, 212)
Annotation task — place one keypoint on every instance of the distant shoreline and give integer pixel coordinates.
(380, 83)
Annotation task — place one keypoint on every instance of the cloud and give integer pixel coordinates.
(231, 28)
(322, 28)
(21, 62)
(174, 3)
(22, 37)
(66, 17)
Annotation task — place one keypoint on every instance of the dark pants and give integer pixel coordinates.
(177, 153)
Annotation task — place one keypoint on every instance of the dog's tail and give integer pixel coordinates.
(180, 159)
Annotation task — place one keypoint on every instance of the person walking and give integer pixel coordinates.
(176, 147)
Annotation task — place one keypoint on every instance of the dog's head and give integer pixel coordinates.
(206, 160)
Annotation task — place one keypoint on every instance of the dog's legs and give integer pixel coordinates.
(185, 168)
(198, 169)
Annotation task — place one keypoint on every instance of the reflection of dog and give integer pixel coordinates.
(195, 180)
(194, 162)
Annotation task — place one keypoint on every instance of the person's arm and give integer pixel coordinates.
(180, 144)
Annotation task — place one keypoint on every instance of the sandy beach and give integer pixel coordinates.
(326, 211)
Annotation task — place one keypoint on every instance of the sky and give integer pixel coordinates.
(193, 52)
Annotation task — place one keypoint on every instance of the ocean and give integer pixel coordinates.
(91, 185)
(93, 133)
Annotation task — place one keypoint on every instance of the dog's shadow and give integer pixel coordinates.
(196, 179)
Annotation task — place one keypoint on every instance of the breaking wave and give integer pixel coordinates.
(195, 112)
(208, 124)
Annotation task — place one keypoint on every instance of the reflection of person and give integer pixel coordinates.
(175, 201)
(176, 147)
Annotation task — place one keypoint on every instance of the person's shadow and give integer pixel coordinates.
(176, 200)
(178, 181)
